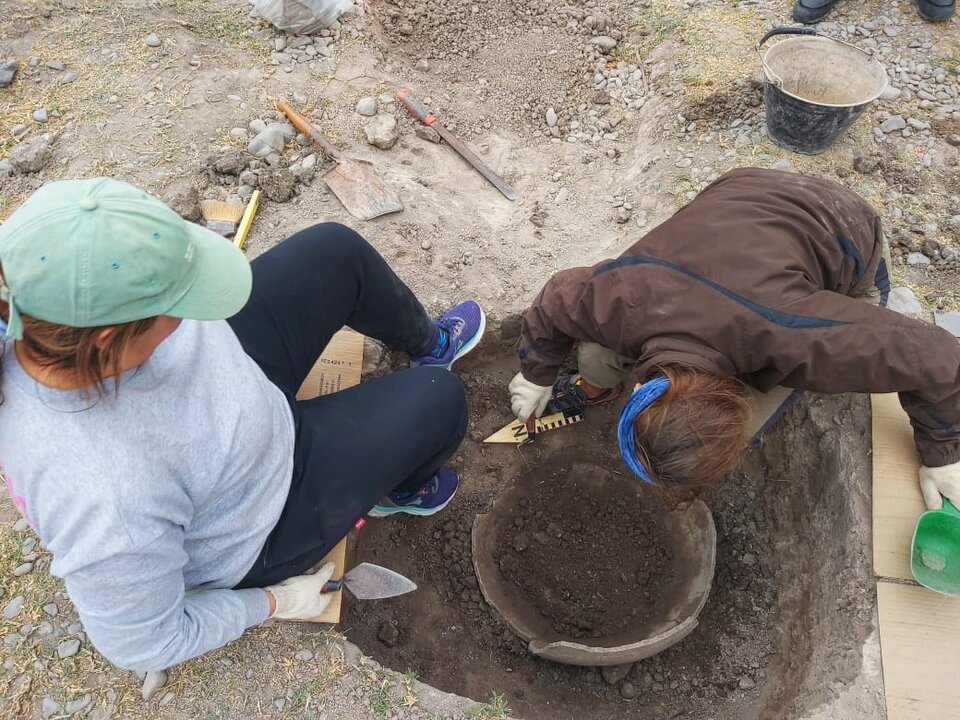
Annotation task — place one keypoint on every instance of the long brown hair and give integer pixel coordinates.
(76, 351)
(693, 435)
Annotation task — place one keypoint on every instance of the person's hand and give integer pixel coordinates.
(938, 481)
(299, 598)
(527, 399)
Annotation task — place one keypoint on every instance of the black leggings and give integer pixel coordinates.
(354, 446)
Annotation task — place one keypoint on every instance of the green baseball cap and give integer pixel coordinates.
(96, 252)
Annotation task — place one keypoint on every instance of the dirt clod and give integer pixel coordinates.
(278, 184)
(388, 634)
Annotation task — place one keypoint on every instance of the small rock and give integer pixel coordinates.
(749, 559)
(904, 301)
(289, 132)
(19, 129)
(303, 655)
(68, 648)
(893, 123)
(152, 682)
(278, 184)
(917, 259)
(48, 707)
(239, 133)
(367, 106)
(612, 674)
(22, 569)
(21, 525)
(69, 77)
(227, 162)
(782, 164)
(747, 683)
(423, 65)
(551, 117)
(388, 634)
(13, 608)
(40, 115)
(425, 132)
(166, 699)
(104, 712)
(6, 167)
(955, 221)
(267, 141)
(75, 706)
(890, 93)
(248, 177)
(628, 691)
(604, 42)
(55, 65)
(949, 321)
(257, 126)
(44, 629)
(864, 164)
(152, 40)
(382, 131)
(8, 71)
(186, 203)
(601, 98)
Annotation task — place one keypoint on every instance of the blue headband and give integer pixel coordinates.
(641, 398)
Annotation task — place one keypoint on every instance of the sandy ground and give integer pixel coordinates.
(637, 129)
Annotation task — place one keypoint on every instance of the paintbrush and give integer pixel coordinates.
(222, 217)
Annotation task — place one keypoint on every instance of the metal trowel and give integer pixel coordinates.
(372, 582)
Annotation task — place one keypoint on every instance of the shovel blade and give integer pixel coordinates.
(363, 194)
(373, 582)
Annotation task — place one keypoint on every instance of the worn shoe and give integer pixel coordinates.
(431, 498)
(458, 332)
(936, 10)
(571, 387)
(810, 11)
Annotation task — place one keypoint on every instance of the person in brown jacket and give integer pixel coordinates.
(757, 287)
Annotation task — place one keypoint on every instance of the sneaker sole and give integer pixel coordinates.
(466, 348)
(378, 511)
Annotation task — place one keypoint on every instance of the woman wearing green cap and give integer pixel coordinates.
(159, 451)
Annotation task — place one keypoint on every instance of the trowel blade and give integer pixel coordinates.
(373, 582)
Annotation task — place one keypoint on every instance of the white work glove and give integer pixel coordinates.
(938, 481)
(299, 598)
(527, 399)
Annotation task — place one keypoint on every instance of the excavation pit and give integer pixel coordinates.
(591, 568)
(782, 635)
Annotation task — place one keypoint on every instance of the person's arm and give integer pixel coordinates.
(869, 349)
(136, 611)
(560, 315)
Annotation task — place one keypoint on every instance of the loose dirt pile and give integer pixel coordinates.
(591, 563)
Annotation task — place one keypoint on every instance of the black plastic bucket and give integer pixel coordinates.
(815, 88)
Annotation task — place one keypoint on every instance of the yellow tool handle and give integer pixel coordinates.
(247, 220)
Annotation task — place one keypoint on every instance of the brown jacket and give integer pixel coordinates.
(756, 278)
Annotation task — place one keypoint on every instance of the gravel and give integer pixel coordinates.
(69, 77)
(13, 608)
(8, 70)
(895, 122)
(152, 40)
(40, 115)
(68, 648)
(270, 139)
(22, 569)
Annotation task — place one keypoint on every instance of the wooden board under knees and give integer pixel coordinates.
(919, 629)
(337, 369)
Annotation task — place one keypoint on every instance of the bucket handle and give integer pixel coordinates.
(792, 30)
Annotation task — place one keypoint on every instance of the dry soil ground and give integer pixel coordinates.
(606, 115)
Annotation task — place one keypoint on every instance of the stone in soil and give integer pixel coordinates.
(613, 674)
(303, 655)
(270, 139)
(367, 106)
(904, 301)
(8, 71)
(152, 40)
(382, 131)
(69, 77)
(277, 183)
(229, 161)
(949, 321)
(917, 259)
(68, 648)
(893, 123)
(40, 115)
(388, 634)
(185, 202)
(13, 608)
(425, 132)
(588, 567)
(75, 706)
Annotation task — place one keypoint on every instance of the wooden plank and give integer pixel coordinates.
(897, 500)
(920, 645)
(337, 368)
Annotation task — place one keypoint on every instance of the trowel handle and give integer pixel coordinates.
(416, 108)
(308, 129)
(332, 586)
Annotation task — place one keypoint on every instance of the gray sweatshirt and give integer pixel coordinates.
(155, 502)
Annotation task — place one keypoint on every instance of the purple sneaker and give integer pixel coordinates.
(459, 330)
(431, 498)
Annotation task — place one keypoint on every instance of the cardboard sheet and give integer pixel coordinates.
(897, 501)
(338, 368)
(920, 645)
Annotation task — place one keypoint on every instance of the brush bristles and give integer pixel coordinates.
(220, 210)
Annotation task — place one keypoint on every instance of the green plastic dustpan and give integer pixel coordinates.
(935, 552)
